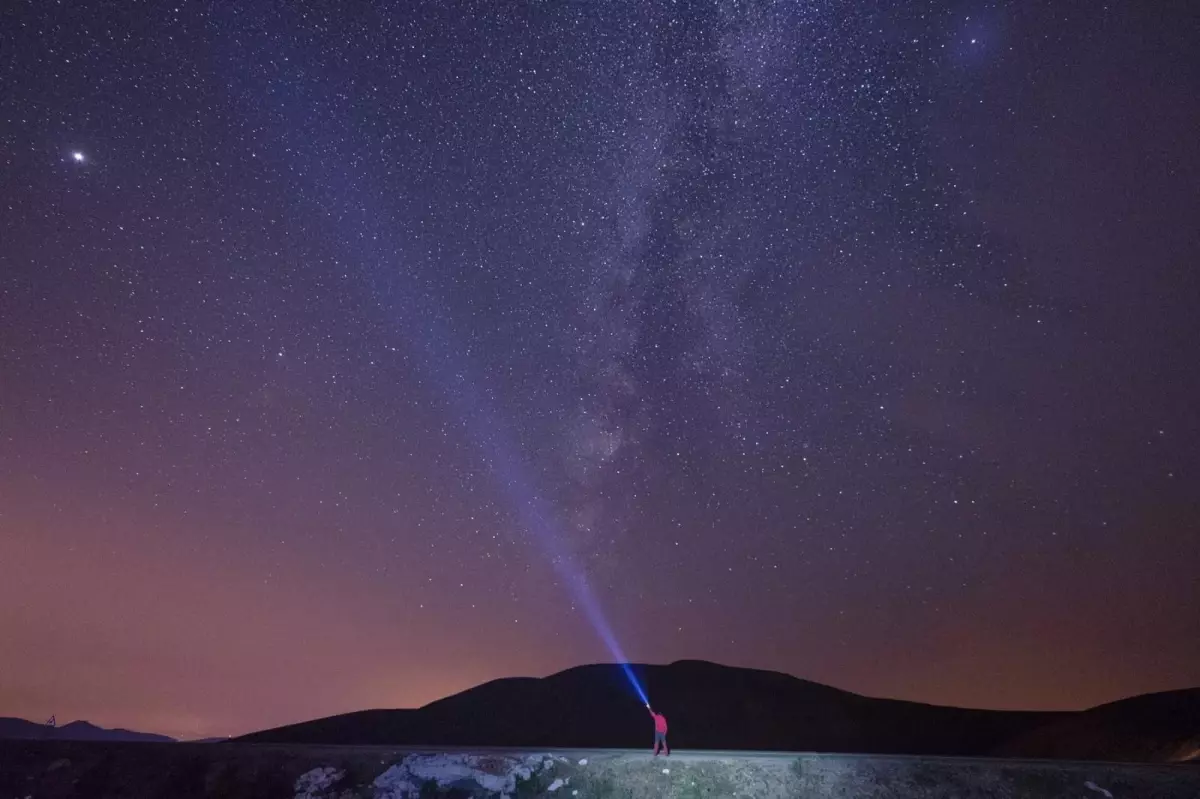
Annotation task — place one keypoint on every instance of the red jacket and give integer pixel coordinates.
(660, 722)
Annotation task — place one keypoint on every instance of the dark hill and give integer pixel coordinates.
(1163, 727)
(75, 731)
(709, 707)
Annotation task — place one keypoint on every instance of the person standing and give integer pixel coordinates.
(660, 732)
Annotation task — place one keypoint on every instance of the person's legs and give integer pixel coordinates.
(658, 739)
(666, 747)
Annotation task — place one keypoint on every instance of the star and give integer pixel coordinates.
(579, 353)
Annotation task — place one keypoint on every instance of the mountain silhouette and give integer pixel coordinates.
(709, 707)
(75, 731)
(1161, 727)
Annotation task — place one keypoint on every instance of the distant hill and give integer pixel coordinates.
(75, 731)
(1163, 727)
(709, 707)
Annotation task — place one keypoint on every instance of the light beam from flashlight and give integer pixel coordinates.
(334, 182)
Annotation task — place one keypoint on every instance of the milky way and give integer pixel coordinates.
(336, 344)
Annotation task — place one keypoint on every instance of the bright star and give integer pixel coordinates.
(78, 157)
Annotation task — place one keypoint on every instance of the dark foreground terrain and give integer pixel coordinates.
(720, 707)
(96, 770)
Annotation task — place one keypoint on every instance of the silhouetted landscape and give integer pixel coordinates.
(714, 707)
(734, 732)
(75, 731)
(719, 707)
(1161, 727)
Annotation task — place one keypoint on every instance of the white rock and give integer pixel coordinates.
(313, 782)
(583, 762)
(554, 786)
(666, 771)
(395, 783)
(445, 770)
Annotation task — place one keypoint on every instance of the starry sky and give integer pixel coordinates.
(352, 354)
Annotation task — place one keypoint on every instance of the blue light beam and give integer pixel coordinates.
(340, 193)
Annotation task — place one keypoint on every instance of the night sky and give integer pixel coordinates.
(347, 349)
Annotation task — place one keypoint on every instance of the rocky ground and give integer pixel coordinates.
(66, 770)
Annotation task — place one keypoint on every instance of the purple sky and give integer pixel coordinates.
(338, 345)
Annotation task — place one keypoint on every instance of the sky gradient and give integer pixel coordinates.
(342, 344)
